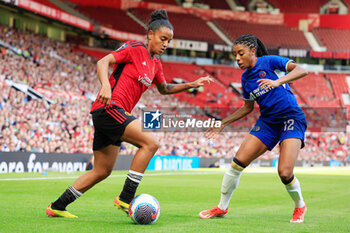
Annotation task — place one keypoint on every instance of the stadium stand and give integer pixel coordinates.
(287, 38)
(298, 6)
(215, 4)
(339, 85)
(48, 3)
(198, 30)
(335, 40)
(315, 91)
(115, 18)
(226, 74)
(170, 2)
(215, 95)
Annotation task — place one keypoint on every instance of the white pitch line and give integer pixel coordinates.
(248, 170)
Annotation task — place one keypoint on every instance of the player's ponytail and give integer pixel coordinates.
(252, 42)
(260, 50)
(159, 18)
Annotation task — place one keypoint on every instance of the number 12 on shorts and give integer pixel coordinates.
(288, 125)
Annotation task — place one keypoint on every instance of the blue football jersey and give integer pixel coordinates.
(275, 103)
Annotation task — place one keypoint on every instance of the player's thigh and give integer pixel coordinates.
(251, 148)
(133, 134)
(104, 159)
(290, 148)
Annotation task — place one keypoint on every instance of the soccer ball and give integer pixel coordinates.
(144, 209)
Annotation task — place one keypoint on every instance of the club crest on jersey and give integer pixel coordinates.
(123, 47)
(256, 128)
(262, 74)
(145, 80)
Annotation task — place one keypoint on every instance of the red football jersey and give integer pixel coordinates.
(133, 73)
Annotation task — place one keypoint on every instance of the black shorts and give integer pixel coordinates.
(109, 123)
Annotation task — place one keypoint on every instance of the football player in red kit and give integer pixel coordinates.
(136, 68)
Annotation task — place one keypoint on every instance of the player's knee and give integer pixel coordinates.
(103, 173)
(286, 176)
(153, 146)
(237, 164)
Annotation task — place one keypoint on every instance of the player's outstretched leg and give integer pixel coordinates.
(148, 146)
(289, 153)
(229, 184)
(251, 148)
(103, 166)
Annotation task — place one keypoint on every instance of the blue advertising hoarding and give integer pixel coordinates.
(173, 162)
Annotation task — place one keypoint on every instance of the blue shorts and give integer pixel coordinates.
(272, 133)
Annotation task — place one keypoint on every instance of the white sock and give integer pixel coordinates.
(75, 192)
(294, 190)
(229, 184)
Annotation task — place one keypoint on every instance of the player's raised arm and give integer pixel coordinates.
(295, 72)
(105, 93)
(165, 89)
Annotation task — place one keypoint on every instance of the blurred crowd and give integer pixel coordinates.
(62, 123)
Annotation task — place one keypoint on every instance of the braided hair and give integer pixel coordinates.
(252, 42)
(159, 18)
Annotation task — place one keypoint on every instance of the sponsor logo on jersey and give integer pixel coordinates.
(259, 92)
(145, 80)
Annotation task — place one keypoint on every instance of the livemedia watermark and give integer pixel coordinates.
(201, 119)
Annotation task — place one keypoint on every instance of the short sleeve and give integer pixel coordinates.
(279, 63)
(159, 76)
(122, 55)
(246, 95)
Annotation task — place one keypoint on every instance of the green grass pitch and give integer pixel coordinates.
(260, 204)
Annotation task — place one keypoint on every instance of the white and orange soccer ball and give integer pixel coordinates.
(144, 209)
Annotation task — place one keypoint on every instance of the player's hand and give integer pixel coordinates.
(212, 133)
(104, 97)
(267, 83)
(201, 81)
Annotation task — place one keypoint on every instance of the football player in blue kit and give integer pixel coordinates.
(281, 121)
